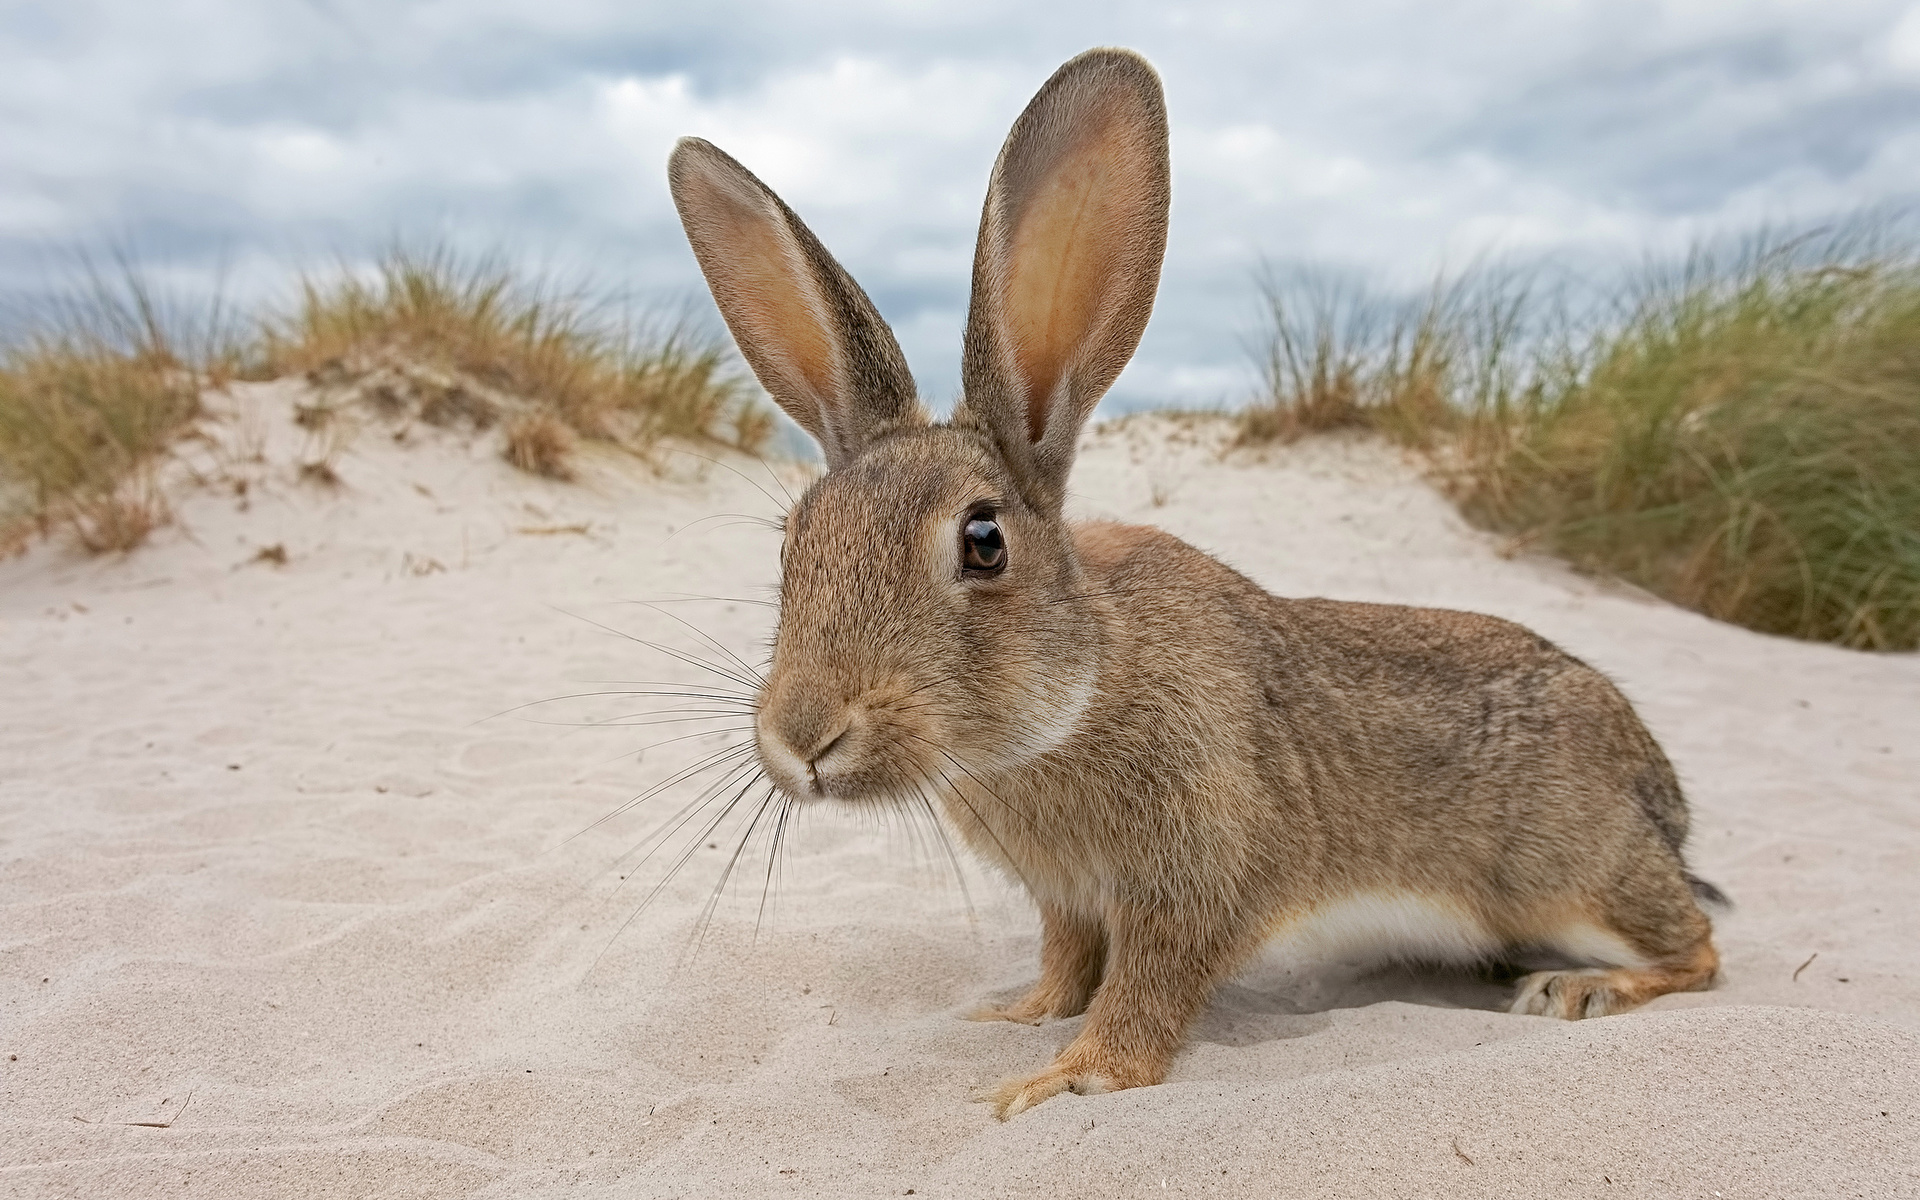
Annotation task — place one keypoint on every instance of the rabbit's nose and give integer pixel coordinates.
(827, 747)
(793, 756)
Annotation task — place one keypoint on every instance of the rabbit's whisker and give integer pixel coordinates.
(953, 858)
(706, 834)
(696, 597)
(660, 838)
(919, 814)
(687, 737)
(742, 699)
(673, 871)
(692, 660)
(658, 692)
(731, 520)
(706, 764)
(1021, 728)
(968, 772)
(673, 716)
(663, 833)
(770, 884)
(674, 687)
(730, 467)
(668, 830)
(1012, 863)
(751, 682)
(707, 911)
(777, 481)
(624, 754)
(626, 721)
(710, 640)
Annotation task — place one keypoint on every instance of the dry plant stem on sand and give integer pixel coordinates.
(1175, 764)
(540, 443)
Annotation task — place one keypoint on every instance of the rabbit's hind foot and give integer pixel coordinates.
(1603, 991)
(1016, 1096)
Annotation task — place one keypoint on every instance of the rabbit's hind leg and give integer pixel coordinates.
(1602, 991)
(1647, 944)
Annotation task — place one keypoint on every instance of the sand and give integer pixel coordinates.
(291, 904)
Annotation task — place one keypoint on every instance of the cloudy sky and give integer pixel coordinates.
(1387, 138)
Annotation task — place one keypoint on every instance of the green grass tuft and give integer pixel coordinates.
(1740, 434)
(1338, 356)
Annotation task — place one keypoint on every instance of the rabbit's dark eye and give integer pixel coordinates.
(983, 551)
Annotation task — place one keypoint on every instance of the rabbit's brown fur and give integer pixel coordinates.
(1177, 765)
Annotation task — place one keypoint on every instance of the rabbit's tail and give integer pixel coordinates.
(1657, 789)
(1706, 893)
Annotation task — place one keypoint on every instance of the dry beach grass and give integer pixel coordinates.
(96, 392)
(1739, 433)
(92, 397)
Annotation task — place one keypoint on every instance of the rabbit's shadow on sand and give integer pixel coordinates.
(1272, 1002)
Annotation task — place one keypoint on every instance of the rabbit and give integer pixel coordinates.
(1176, 765)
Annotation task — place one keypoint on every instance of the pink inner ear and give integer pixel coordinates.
(1072, 235)
(1056, 276)
(760, 280)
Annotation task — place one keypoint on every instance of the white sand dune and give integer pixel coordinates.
(287, 910)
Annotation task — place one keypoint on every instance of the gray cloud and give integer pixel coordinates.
(1383, 137)
(1679, 131)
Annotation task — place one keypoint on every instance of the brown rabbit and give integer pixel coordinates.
(1176, 765)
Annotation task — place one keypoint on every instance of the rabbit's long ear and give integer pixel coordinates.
(1071, 241)
(805, 327)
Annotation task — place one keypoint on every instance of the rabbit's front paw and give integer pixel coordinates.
(1021, 1013)
(1031, 1009)
(1016, 1096)
(1084, 1070)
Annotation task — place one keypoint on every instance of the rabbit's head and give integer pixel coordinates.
(934, 618)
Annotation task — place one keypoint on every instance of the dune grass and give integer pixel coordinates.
(1340, 356)
(96, 390)
(93, 392)
(581, 365)
(1739, 434)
